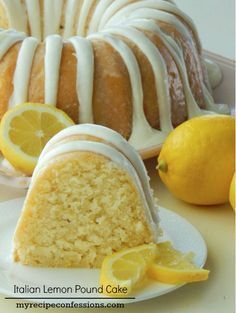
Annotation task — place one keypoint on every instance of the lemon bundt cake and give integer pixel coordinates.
(134, 66)
(89, 197)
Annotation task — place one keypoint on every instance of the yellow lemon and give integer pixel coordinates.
(196, 162)
(123, 270)
(232, 193)
(24, 131)
(173, 267)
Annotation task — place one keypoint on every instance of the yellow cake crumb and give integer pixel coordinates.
(81, 208)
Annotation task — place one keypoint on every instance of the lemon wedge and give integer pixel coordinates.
(123, 270)
(173, 267)
(24, 131)
(232, 193)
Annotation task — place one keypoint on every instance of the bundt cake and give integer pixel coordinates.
(132, 65)
(89, 197)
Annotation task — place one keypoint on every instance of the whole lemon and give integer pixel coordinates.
(196, 162)
(232, 193)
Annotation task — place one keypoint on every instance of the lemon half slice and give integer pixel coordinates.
(25, 130)
(173, 267)
(123, 270)
(232, 193)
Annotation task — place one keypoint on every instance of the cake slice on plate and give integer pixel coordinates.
(89, 197)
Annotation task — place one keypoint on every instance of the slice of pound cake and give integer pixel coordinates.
(89, 197)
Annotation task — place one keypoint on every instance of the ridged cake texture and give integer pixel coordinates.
(134, 66)
(89, 197)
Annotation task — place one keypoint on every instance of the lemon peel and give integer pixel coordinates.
(24, 131)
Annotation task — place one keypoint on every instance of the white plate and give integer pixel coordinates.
(176, 229)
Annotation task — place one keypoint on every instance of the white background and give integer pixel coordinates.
(215, 21)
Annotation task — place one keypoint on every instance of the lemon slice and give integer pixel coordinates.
(123, 270)
(25, 130)
(173, 267)
(232, 193)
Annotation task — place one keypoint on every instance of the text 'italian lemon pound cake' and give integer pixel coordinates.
(134, 66)
(89, 197)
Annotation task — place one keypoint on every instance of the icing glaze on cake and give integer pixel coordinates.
(68, 184)
(133, 66)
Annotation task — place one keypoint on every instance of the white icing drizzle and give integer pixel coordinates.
(159, 70)
(211, 106)
(107, 151)
(85, 76)
(83, 17)
(113, 19)
(106, 12)
(110, 11)
(192, 107)
(52, 16)
(14, 181)
(70, 18)
(115, 140)
(7, 168)
(173, 43)
(16, 12)
(123, 14)
(141, 130)
(33, 11)
(7, 39)
(172, 20)
(214, 73)
(53, 49)
(9, 176)
(168, 18)
(98, 14)
(23, 70)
